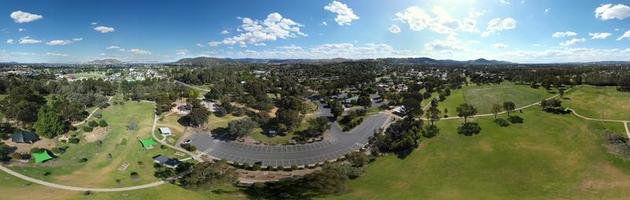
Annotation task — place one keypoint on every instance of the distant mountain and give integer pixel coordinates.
(211, 61)
(109, 61)
(203, 61)
(431, 61)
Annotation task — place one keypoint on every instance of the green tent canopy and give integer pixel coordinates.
(147, 143)
(41, 156)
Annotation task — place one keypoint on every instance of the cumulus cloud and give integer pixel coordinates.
(104, 29)
(564, 34)
(345, 15)
(572, 42)
(28, 40)
(599, 36)
(77, 39)
(609, 11)
(394, 29)
(56, 54)
(323, 51)
(449, 44)
(498, 25)
(506, 2)
(113, 47)
(24, 17)
(21, 29)
(547, 10)
(200, 45)
(182, 52)
(499, 46)
(625, 35)
(438, 20)
(10, 41)
(257, 32)
(225, 32)
(58, 42)
(140, 51)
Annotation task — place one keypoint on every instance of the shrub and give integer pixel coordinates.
(430, 131)
(74, 140)
(469, 129)
(93, 124)
(98, 115)
(87, 129)
(103, 123)
(502, 122)
(515, 119)
(189, 147)
(82, 160)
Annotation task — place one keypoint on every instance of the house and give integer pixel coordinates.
(166, 161)
(166, 131)
(24, 137)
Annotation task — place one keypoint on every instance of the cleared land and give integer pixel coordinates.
(101, 169)
(483, 97)
(599, 102)
(547, 157)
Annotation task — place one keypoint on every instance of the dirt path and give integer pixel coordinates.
(92, 113)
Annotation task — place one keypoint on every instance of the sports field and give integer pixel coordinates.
(599, 102)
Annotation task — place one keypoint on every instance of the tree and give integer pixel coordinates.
(509, 107)
(496, 109)
(430, 131)
(207, 174)
(433, 112)
(466, 110)
(358, 159)
(49, 124)
(198, 115)
(319, 124)
(469, 129)
(289, 118)
(552, 106)
(5, 152)
(240, 128)
(336, 108)
(22, 104)
(413, 106)
(364, 100)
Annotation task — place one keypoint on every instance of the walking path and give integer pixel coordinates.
(80, 189)
(92, 113)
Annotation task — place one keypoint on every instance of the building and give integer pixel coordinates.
(166, 161)
(166, 131)
(24, 137)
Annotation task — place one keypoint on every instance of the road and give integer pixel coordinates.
(285, 156)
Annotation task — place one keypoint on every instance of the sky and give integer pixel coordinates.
(524, 31)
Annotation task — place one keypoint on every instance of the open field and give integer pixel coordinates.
(101, 170)
(599, 102)
(547, 157)
(483, 97)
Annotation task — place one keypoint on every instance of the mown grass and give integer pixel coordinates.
(484, 96)
(547, 157)
(599, 102)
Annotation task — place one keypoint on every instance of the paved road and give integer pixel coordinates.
(281, 156)
(81, 189)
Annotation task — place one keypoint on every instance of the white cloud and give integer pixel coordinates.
(113, 47)
(547, 10)
(58, 42)
(498, 25)
(24, 17)
(450, 44)
(599, 36)
(625, 35)
(608, 11)
(21, 29)
(564, 34)
(182, 52)
(140, 52)
(57, 54)
(439, 20)
(10, 41)
(200, 45)
(104, 29)
(225, 32)
(345, 15)
(324, 23)
(394, 29)
(94, 23)
(506, 2)
(77, 39)
(28, 40)
(323, 51)
(572, 42)
(499, 46)
(257, 32)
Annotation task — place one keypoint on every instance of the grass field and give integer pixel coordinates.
(100, 170)
(483, 97)
(599, 102)
(547, 157)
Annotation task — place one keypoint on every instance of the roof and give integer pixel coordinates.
(147, 143)
(160, 159)
(41, 156)
(165, 130)
(24, 137)
(170, 162)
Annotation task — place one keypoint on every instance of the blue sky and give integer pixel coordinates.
(528, 31)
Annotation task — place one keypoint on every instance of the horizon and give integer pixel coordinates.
(517, 31)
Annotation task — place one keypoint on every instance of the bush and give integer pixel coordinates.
(93, 124)
(430, 131)
(515, 119)
(502, 122)
(469, 129)
(189, 147)
(82, 160)
(87, 129)
(74, 140)
(98, 115)
(103, 123)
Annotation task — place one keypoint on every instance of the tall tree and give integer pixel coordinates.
(509, 107)
(433, 112)
(365, 101)
(496, 109)
(49, 124)
(466, 110)
(336, 108)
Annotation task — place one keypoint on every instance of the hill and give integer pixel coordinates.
(108, 61)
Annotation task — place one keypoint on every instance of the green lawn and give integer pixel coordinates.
(599, 102)
(484, 96)
(100, 170)
(547, 157)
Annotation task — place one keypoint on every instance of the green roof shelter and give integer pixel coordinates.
(147, 143)
(41, 156)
